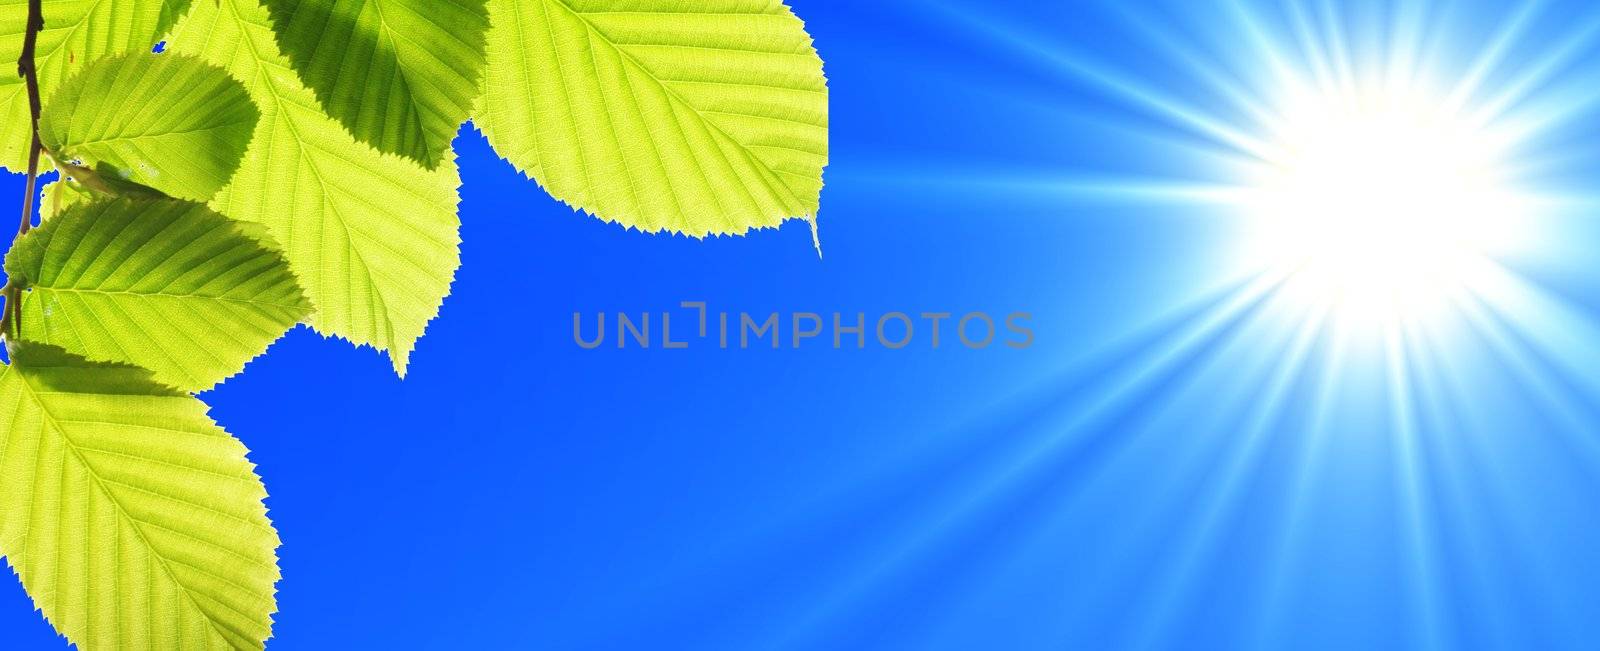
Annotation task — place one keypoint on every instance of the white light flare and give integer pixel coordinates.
(1382, 205)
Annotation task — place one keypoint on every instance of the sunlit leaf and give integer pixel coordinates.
(76, 32)
(133, 520)
(706, 117)
(169, 122)
(372, 237)
(400, 74)
(168, 285)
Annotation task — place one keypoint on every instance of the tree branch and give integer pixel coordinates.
(11, 320)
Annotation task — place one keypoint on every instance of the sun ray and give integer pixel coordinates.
(1490, 474)
(1172, 43)
(1533, 370)
(1125, 87)
(1222, 498)
(1313, 441)
(1510, 33)
(1263, 47)
(1578, 40)
(1409, 469)
(1335, 46)
(1451, 477)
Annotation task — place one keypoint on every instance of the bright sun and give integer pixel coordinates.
(1381, 203)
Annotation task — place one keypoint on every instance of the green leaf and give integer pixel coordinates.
(400, 74)
(59, 195)
(164, 284)
(372, 237)
(166, 121)
(706, 117)
(133, 520)
(76, 32)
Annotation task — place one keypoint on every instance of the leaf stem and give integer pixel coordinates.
(11, 319)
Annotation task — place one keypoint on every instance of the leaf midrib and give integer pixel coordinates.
(157, 134)
(169, 295)
(417, 108)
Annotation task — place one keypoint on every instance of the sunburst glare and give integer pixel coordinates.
(1381, 201)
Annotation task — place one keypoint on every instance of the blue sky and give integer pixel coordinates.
(1197, 451)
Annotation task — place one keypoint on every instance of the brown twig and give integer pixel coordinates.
(11, 320)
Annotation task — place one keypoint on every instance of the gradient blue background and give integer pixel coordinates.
(1173, 464)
